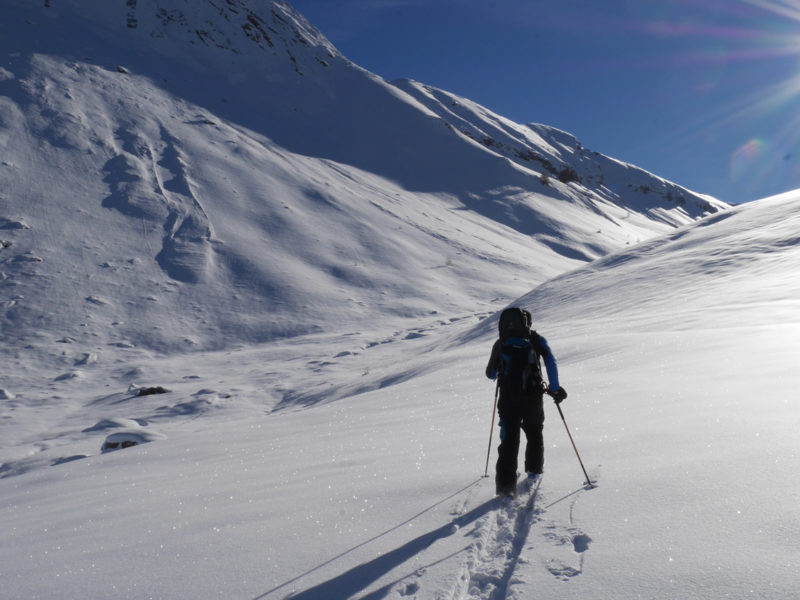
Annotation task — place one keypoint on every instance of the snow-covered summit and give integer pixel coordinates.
(241, 27)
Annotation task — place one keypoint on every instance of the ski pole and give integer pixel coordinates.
(574, 447)
(491, 431)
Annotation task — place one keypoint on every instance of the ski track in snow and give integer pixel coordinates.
(506, 533)
(516, 532)
(501, 540)
(500, 537)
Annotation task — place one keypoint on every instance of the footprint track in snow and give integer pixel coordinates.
(567, 551)
(581, 543)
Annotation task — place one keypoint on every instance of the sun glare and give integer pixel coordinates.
(744, 61)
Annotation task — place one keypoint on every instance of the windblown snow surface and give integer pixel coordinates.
(307, 276)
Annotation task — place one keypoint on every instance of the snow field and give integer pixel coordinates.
(317, 289)
(367, 482)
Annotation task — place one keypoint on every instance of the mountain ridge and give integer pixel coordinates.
(263, 193)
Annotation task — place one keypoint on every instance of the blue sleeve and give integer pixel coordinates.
(550, 365)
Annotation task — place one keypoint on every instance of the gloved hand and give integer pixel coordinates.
(559, 395)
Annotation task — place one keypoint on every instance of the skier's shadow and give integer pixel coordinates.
(358, 578)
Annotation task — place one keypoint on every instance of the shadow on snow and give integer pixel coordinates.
(358, 578)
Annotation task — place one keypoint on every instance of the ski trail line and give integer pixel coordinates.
(494, 556)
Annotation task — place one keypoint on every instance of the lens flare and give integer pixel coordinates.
(767, 114)
(748, 159)
(725, 75)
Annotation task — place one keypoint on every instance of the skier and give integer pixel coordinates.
(515, 360)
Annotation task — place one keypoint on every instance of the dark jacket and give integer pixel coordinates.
(542, 349)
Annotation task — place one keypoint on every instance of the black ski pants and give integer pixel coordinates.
(517, 413)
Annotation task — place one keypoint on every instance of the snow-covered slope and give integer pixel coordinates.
(679, 358)
(224, 175)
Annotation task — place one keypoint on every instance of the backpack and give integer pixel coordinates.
(519, 371)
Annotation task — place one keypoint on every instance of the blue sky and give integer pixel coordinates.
(705, 93)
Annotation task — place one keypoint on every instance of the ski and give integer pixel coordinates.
(523, 495)
(532, 491)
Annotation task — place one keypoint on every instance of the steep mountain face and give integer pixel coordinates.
(179, 174)
(556, 155)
